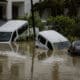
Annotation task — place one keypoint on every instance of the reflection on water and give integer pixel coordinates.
(55, 72)
(22, 61)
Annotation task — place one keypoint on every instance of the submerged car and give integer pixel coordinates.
(75, 47)
(11, 30)
(50, 39)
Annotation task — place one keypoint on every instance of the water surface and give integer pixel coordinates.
(22, 61)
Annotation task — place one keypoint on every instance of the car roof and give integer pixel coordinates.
(53, 36)
(12, 25)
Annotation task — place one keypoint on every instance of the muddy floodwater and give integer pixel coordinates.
(22, 61)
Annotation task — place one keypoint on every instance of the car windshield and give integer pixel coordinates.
(62, 45)
(5, 36)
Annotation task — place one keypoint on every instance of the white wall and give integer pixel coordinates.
(9, 9)
(34, 1)
(17, 0)
(22, 11)
(28, 5)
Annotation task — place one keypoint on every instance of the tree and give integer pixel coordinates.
(64, 25)
(72, 6)
(56, 7)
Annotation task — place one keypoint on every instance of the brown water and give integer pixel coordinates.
(22, 62)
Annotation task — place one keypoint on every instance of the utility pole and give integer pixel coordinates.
(33, 25)
(33, 21)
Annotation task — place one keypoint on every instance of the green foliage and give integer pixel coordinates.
(26, 17)
(64, 20)
(50, 20)
(72, 38)
(37, 19)
(55, 7)
(77, 30)
(38, 22)
(63, 24)
(77, 19)
(69, 27)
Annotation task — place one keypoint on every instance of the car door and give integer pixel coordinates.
(42, 42)
(49, 46)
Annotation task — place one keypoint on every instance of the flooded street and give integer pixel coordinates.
(20, 61)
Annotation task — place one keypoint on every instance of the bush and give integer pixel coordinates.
(26, 17)
(77, 19)
(38, 22)
(37, 19)
(50, 20)
(64, 25)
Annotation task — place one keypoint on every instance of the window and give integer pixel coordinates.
(49, 45)
(22, 29)
(41, 39)
(5, 36)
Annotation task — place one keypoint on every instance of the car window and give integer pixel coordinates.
(22, 29)
(49, 45)
(5, 36)
(41, 39)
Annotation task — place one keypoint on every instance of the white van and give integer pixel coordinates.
(50, 39)
(11, 30)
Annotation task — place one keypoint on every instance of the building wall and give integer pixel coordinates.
(23, 9)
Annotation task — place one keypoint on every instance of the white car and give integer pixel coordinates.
(11, 30)
(50, 39)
